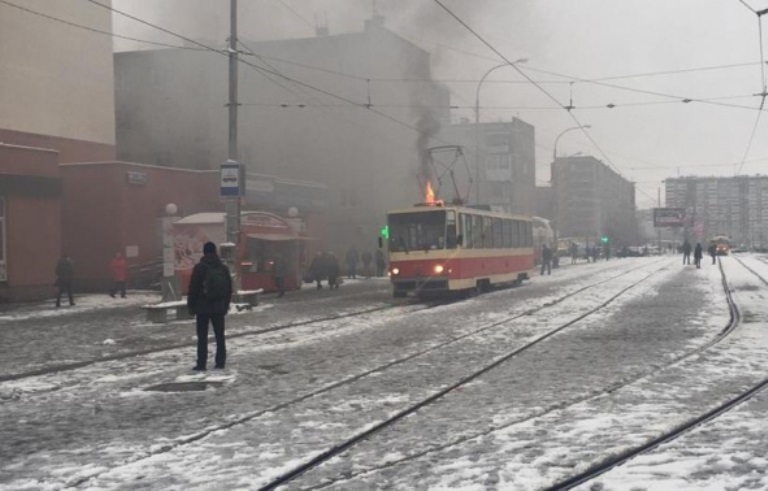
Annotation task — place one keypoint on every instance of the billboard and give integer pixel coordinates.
(669, 217)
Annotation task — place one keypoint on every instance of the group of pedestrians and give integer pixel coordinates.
(353, 258)
(325, 265)
(698, 253)
(65, 277)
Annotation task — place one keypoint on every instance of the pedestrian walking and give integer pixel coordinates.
(546, 259)
(712, 249)
(697, 255)
(278, 274)
(574, 250)
(65, 276)
(332, 264)
(381, 263)
(686, 252)
(595, 254)
(210, 293)
(366, 258)
(119, 268)
(318, 269)
(352, 259)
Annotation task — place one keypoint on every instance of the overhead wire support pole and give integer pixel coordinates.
(233, 204)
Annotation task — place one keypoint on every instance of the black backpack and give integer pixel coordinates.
(216, 283)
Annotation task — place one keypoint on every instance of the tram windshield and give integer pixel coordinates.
(417, 231)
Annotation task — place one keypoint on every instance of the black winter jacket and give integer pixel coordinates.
(196, 301)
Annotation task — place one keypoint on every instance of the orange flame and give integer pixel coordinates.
(429, 194)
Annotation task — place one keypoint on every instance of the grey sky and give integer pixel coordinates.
(586, 39)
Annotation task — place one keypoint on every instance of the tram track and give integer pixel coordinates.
(381, 368)
(732, 324)
(681, 429)
(66, 367)
(366, 434)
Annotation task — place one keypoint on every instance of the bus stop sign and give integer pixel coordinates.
(230, 178)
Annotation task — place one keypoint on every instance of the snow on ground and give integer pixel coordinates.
(83, 303)
(727, 453)
(270, 439)
(97, 417)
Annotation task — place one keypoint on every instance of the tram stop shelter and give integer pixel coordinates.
(264, 237)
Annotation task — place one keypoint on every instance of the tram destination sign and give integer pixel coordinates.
(669, 217)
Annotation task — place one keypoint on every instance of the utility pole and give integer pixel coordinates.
(232, 171)
(233, 205)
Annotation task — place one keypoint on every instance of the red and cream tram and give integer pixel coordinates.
(436, 248)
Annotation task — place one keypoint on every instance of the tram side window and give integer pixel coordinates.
(498, 233)
(528, 234)
(466, 231)
(514, 234)
(477, 232)
(487, 233)
(506, 226)
(450, 232)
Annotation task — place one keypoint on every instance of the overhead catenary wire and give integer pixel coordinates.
(538, 86)
(88, 28)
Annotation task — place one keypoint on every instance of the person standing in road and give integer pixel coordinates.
(712, 252)
(65, 275)
(686, 252)
(697, 255)
(210, 293)
(366, 258)
(352, 259)
(381, 263)
(278, 273)
(119, 268)
(332, 267)
(546, 259)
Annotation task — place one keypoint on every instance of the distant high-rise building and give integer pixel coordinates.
(592, 201)
(733, 206)
(501, 160)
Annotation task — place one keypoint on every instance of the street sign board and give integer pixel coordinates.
(669, 217)
(230, 180)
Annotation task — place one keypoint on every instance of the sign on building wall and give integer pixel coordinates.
(669, 217)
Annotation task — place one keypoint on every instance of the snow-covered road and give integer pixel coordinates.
(288, 395)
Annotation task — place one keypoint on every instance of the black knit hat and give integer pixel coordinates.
(209, 248)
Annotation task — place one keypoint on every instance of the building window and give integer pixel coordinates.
(3, 267)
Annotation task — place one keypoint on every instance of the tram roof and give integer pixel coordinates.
(458, 208)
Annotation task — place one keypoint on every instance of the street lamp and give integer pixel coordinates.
(477, 120)
(554, 150)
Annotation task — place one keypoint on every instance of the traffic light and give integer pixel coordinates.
(604, 239)
(385, 232)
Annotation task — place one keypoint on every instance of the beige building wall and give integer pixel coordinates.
(57, 80)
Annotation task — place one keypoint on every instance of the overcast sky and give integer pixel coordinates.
(647, 136)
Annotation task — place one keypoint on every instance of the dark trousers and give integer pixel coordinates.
(687, 258)
(713, 260)
(217, 320)
(546, 265)
(64, 287)
(119, 286)
(352, 271)
(379, 270)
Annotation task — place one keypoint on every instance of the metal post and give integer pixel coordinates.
(233, 205)
(658, 205)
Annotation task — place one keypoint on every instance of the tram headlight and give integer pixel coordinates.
(395, 271)
(439, 269)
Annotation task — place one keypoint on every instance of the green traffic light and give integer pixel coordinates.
(604, 239)
(385, 231)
